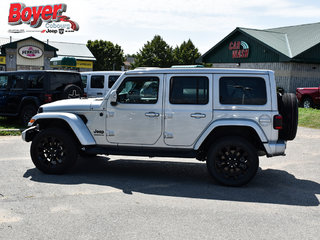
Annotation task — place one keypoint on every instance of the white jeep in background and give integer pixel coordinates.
(97, 84)
(226, 117)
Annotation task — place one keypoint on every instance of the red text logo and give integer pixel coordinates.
(240, 49)
(34, 16)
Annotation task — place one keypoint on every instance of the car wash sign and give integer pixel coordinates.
(240, 49)
(35, 15)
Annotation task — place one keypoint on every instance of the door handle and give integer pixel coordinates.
(99, 93)
(198, 115)
(152, 114)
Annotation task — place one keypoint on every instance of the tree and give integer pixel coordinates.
(156, 53)
(108, 55)
(186, 54)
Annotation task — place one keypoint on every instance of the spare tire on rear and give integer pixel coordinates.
(288, 108)
(72, 91)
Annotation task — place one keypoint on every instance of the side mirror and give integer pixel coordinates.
(113, 98)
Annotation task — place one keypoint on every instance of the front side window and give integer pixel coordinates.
(35, 81)
(97, 81)
(3, 81)
(189, 90)
(139, 90)
(112, 79)
(243, 91)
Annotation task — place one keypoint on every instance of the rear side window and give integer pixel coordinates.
(189, 90)
(3, 81)
(59, 80)
(17, 81)
(112, 79)
(243, 91)
(35, 81)
(97, 81)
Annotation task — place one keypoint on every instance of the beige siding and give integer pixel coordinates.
(30, 62)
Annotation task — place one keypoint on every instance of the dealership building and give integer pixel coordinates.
(293, 53)
(33, 54)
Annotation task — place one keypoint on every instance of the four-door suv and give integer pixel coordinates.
(22, 92)
(226, 117)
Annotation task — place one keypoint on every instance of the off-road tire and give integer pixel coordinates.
(288, 108)
(232, 161)
(54, 151)
(72, 91)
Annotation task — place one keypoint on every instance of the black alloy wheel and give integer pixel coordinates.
(54, 151)
(232, 161)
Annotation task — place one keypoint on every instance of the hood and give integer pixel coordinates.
(72, 105)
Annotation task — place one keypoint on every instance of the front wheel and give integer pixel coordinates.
(232, 161)
(54, 151)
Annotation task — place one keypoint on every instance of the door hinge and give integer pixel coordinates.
(168, 135)
(109, 114)
(110, 133)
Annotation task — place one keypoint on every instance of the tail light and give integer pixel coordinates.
(48, 98)
(277, 122)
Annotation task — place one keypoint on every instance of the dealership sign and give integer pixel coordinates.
(31, 52)
(240, 49)
(35, 16)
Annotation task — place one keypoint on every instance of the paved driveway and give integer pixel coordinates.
(143, 198)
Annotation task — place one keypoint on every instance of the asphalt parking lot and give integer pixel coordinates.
(153, 198)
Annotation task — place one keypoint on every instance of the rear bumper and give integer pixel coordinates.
(275, 148)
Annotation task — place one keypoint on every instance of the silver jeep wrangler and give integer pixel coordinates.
(226, 117)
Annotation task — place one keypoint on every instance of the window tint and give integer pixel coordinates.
(112, 79)
(189, 90)
(3, 82)
(84, 80)
(59, 80)
(137, 90)
(35, 81)
(97, 82)
(243, 91)
(17, 81)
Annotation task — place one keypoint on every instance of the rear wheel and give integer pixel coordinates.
(232, 161)
(54, 151)
(27, 113)
(307, 102)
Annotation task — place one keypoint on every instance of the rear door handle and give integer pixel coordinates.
(152, 114)
(198, 115)
(99, 93)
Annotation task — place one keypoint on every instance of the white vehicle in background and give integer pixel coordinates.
(97, 84)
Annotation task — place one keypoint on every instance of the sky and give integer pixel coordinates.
(131, 23)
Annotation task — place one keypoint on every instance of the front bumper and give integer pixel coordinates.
(275, 148)
(28, 134)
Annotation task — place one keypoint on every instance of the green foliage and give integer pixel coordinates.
(108, 55)
(186, 54)
(309, 117)
(156, 53)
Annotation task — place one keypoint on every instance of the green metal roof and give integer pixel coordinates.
(288, 42)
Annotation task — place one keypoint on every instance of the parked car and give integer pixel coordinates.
(22, 92)
(226, 117)
(308, 97)
(97, 84)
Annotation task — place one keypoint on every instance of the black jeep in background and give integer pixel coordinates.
(22, 92)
